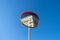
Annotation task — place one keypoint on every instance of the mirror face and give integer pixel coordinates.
(30, 21)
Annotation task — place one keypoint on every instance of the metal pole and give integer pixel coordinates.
(29, 34)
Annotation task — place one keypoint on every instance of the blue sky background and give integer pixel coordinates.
(47, 10)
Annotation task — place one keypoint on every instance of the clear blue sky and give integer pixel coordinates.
(47, 10)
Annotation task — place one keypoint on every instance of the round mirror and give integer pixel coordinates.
(29, 19)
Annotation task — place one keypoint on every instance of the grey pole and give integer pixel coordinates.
(29, 34)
